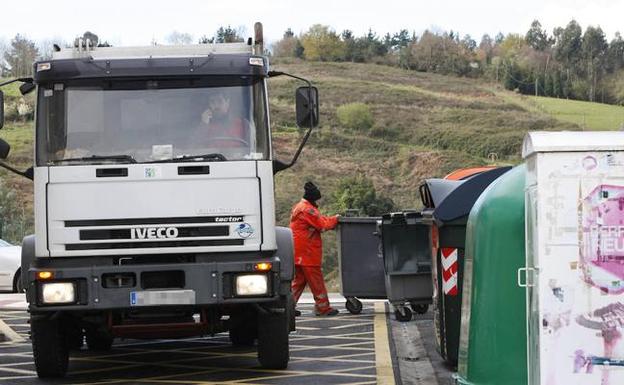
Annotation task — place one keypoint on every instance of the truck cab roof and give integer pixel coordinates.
(151, 61)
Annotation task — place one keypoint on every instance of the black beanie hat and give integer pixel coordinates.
(312, 193)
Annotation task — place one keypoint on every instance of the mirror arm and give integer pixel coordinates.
(24, 80)
(284, 166)
(15, 171)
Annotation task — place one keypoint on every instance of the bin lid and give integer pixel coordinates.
(571, 141)
(460, 200)
(465, 173)
(342, 219)
(441, 188)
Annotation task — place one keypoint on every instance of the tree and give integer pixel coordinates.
(594, 48)
(468, 43)
(322, 43)
(568, 44)
(358, 193)
(537, 38)
(206, 40)
(486, 50)
(230, 35)
(288, 46)
(615, 54)
(179, 38)
(20, 56)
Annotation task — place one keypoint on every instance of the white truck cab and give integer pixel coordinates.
(154, 199)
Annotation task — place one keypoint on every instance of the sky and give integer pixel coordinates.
(139, 22)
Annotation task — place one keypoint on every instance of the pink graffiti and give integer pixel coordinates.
(602, 250)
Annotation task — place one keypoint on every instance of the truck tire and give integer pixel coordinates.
(292, 320)
(273, 330)
(98, 340)
(50, 348)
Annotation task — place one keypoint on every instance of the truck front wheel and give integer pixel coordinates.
(273, 330)
(50, 347)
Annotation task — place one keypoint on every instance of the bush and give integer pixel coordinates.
(358, 193)
(14, 222)
(355, 116)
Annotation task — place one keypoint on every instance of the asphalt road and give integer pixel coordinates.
(369, 348)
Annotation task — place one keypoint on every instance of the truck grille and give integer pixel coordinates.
(141, 245)
(139, 233)
(154, 221)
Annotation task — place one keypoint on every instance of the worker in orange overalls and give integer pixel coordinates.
(307, 224)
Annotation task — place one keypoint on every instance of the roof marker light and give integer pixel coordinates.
(256, 61)
(43, 67)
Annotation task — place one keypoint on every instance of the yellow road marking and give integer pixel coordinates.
(385, 373)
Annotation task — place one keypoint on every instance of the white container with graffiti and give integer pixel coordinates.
(575, 257)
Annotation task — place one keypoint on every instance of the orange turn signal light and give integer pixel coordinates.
(263, 266)
(45, 275)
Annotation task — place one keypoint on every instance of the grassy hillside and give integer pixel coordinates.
(424, 125)
(589, 116)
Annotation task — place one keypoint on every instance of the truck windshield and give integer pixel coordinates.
(121, 121)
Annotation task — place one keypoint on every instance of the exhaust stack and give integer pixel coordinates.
(258, 39)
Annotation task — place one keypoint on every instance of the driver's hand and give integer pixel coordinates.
(206, 116)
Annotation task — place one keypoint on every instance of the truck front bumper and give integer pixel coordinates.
(154, 285)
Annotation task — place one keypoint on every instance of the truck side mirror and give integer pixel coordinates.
(29, 173)
(307, 107)
(26, 88)
(1, 109)
(4, 149)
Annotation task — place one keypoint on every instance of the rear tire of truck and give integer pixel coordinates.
(273, 330)
(98, 340)
(50, 348)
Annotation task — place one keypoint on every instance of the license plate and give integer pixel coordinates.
(162, 297)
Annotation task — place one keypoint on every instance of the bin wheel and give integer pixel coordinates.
(419, 308)
(353, 305)
(403, 316)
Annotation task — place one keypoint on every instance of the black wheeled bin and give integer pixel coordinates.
(447, 205)
(407, 262)
(360, 261)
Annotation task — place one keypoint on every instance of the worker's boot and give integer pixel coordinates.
(329, 313)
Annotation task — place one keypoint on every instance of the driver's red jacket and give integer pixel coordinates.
(224, 133)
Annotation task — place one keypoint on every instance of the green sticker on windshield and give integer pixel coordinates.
(152, 172)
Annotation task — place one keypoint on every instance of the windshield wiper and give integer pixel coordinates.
(189, 158)
(124, 157)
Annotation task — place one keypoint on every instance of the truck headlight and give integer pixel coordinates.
(58, 292)
(252, 284)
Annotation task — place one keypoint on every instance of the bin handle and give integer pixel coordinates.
(526, 271)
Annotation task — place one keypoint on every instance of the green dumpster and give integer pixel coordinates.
(449, 203)
(493, 338)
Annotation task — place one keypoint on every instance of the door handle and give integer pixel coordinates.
(528, 271)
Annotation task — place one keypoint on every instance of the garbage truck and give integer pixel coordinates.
(154, 199)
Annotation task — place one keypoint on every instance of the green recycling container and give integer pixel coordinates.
(493, 341)
(449, 202)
